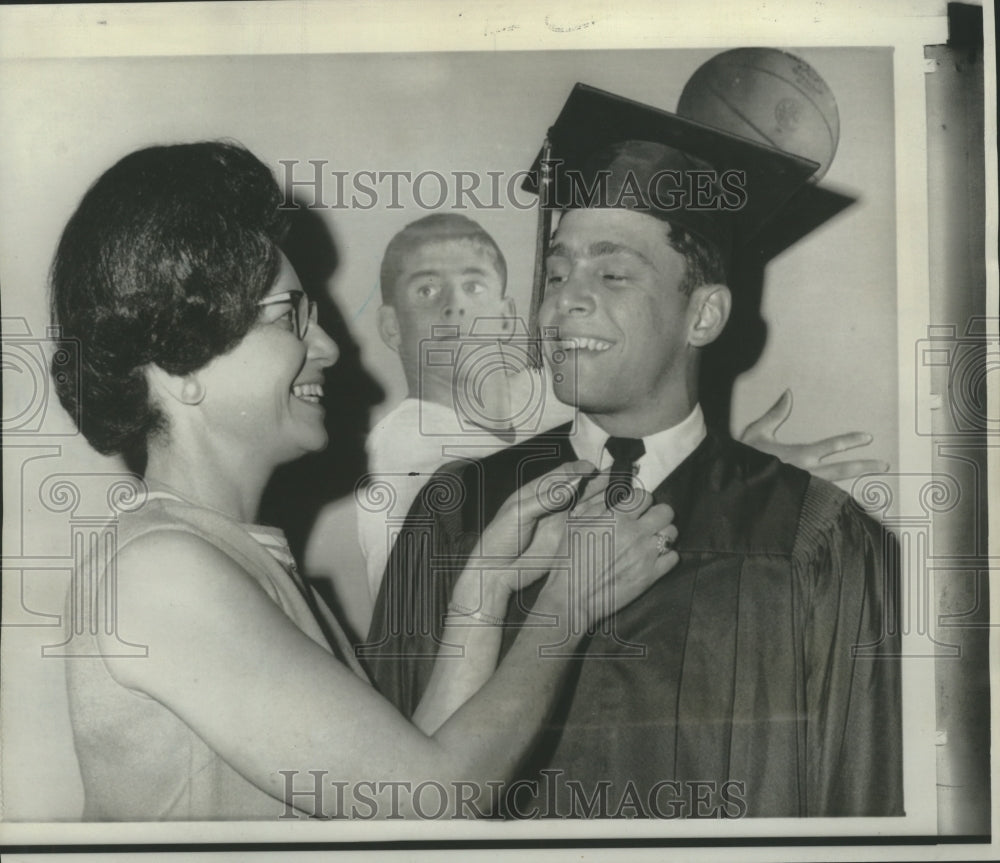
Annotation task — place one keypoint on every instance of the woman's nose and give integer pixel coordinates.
(321, 347)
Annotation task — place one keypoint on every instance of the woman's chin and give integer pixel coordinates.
(315, 443)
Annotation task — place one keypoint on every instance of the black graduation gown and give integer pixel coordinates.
(767, 679)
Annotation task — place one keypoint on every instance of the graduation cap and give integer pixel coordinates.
(608, 151)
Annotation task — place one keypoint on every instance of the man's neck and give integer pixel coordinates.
(642, 423)
(437, 388)
(670, 404)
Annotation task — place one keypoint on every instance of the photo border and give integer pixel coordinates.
(281, 28)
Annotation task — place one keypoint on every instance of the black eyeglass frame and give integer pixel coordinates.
(303, 309)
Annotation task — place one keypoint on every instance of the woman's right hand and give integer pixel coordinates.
(528, 530)
(616, 554)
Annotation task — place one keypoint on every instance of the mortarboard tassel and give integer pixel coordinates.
(542, 230)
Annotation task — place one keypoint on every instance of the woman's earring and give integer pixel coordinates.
(192, 392)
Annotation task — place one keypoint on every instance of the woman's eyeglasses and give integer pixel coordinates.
(303, 310)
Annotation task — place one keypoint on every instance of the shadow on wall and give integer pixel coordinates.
(298, 491)
(742, 342)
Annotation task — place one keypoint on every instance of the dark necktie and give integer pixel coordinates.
(625, 452)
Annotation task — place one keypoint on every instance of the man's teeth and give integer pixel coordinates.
(583, 344)
(308, 392)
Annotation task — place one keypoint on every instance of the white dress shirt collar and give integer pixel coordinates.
(665, 449)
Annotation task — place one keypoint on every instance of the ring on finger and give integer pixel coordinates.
(663, 543)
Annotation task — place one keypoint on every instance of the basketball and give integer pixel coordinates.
(768, 96)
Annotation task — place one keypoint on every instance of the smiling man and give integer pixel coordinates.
(761, 677)
(619, 298)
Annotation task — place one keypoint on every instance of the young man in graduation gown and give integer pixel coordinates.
(761, 677)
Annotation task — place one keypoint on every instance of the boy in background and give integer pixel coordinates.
(447, 314)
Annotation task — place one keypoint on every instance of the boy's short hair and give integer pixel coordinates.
(438, 227)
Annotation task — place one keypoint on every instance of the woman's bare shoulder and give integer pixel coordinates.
(174, 589)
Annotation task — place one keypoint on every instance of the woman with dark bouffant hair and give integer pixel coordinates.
(202, 361)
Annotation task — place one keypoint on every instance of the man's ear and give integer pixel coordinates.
(710, 306)
(388, 327)
(185, 389)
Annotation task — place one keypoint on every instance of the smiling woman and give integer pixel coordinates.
(266, 408)
(202, 360)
